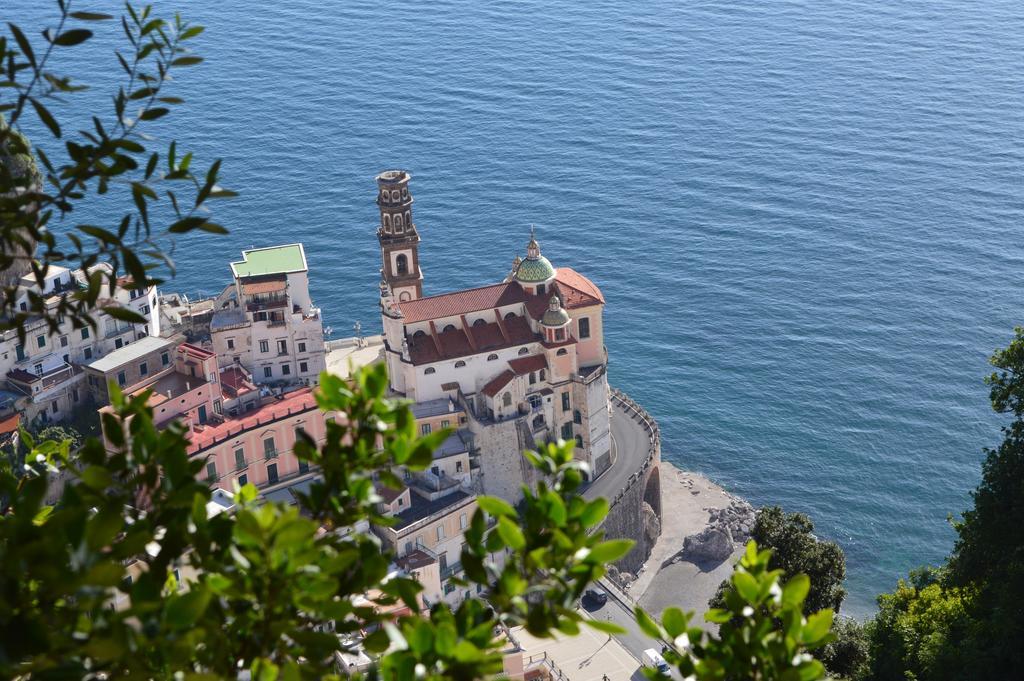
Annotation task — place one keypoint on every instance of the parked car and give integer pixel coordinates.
(595, 596)
(652, 658)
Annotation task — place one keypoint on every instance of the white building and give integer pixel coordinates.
(267, 323)
(526, 355)
(43, 374)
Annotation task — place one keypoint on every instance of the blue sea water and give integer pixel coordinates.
(805, 215)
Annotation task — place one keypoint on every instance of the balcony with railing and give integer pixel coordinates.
(255, 303)
(450, 570)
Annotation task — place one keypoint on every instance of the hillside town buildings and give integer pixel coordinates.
(43, 379)
(266, 322)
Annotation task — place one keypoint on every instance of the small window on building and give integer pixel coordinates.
(20, 352)
(240, 458)
(402, 264)
(447, 328)
(540, 290)
(533, 377)
(429, 370)
(303, 367)
(211, 471)
(121, 379)
(143, 369)
(243, 480)
(523, 351)
(282, 347)
(87, 353)
(74, 394)
(460, 364)
(425, 429)
(302, 347)
(577, 417)
(579, 441)
(510, 315)
(118, 344)
(463, 521)
(272, 474)
(38, 368)
(458, 466)
(268, 372)
(565, 401)
(567, 430)
(491, 357)
(445, 423)
(480, 322)
(217, 409)
(53, 406)
(269, 448)
(584, 325)
(231, 343)
(304, 467)
(440, 532)
(85, 333)
(562, 352)
(41, 341)
(506, 399)
(63, 341)
(264, 346)
(559, 334)
(286, 369)
(165, 359)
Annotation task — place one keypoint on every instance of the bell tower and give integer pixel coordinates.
(399, 240)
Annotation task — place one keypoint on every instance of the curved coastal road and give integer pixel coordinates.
(631, 447)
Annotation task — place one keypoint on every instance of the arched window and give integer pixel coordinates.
(405, 297)
(542, 372)
(419, 334)
(408, 218)
(394, 195)
(384, 196)
(540, 290)
(429, 370)
(561, 352)
(510, 315)
(405, 193)
(506, 399)
(460, 364)
(480, 322)
(523, 351)
(402, 264)
(491, 357)
(447, 328)
(538, 421)
(387, 222)
(398, 220)
(579, 441)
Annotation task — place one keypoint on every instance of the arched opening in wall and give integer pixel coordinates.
(523, 351)
(510, 315)
(561, 352)
(405, 297)
(460, 364)
(480, 322)
(447, 328)
(506, 400)
(419, 334)
(579, 442)
(652, 492)
(387, 222)
(429, 370)
(402, 264)
(395, 195)
(491, 357)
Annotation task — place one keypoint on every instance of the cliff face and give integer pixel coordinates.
(18, 173)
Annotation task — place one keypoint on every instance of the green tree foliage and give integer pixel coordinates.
(922, 631)
(846, 657)
(112, 156)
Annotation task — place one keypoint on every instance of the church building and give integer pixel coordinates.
(524, 357)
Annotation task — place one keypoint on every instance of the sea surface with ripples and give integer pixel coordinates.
(805, 216)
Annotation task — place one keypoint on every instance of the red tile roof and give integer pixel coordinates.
(461, 302)
(9, 424)
(524, 365)
(498, 382)
(235, 382)
(195, 351)
(577, 290)
(454, 343)
(295, 402)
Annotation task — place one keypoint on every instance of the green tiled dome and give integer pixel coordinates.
(534, 270)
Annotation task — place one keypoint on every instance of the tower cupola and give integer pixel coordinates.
(398, 237)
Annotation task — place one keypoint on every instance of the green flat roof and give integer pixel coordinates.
(273, 260)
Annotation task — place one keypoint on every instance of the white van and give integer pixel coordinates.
(652, 658)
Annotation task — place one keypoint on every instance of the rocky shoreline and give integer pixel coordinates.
(704, 529)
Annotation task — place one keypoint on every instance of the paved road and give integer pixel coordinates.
(631, 446)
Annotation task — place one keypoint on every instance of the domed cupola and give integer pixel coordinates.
(555, 317)
(535, 268)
